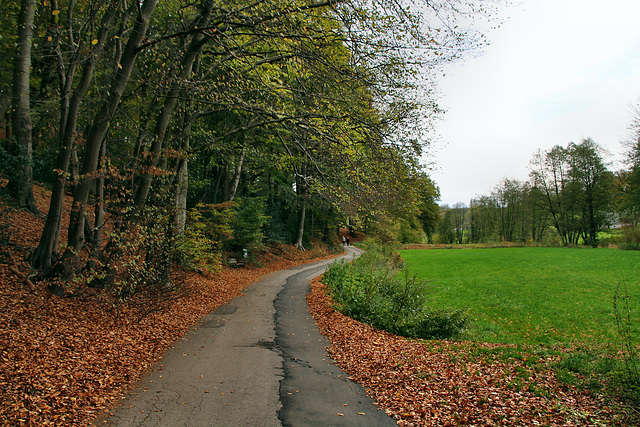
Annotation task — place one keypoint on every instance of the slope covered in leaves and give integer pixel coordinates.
(440, 383)
(65, 360)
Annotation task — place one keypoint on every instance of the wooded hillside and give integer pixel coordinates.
(196, 130)
(63, 361)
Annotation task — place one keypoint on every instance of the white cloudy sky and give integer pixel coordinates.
(556, 71)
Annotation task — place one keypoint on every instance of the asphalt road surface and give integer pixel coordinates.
(258, 360)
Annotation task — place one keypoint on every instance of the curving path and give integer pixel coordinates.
(258, 360)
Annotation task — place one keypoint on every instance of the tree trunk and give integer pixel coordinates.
(182, 185)
(303, 192)
(96, 233)
(45, 254)
(21, 183)
(181, 195)
(237, 174)
(303, 211)
(100, 126)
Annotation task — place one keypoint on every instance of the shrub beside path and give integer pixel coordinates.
(67, 361)
(257, 360)
(64, 361)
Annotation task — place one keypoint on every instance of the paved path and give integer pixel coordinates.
(258, 360)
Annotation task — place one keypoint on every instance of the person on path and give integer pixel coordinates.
(343, 241)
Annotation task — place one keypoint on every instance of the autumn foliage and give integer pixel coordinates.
(445, 383)
(64, 360)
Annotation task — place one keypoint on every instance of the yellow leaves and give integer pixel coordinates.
(94, 41)
(55, 12)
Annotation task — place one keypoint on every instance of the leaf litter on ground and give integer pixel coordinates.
(442, 383)
(65, 361)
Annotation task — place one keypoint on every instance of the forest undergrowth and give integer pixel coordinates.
(66, 360)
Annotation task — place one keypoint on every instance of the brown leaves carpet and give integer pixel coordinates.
(439, 383)
(64, 361)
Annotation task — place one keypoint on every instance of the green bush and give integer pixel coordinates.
(629, 246)
(409, 233)
(248, 223)
(194, 249)
(207, 227)
(630, 238)
(605, 242)
(371, 291)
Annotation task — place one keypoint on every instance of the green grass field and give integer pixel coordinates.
(532, 295)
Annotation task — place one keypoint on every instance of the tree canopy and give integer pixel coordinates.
(568, 199)
(296, 114)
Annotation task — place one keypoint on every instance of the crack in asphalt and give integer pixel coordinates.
(314, 391)
(259, 360)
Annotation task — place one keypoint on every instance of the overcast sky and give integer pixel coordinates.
(556, 71)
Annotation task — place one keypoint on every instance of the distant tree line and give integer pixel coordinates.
(571, 196)
(190, 129)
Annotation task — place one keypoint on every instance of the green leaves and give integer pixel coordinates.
(371, 291)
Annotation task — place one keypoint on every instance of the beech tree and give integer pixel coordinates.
(71, 100)
(99, 128)
(194, 100)
(21, 181)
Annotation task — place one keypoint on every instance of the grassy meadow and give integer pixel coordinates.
(532, 296)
